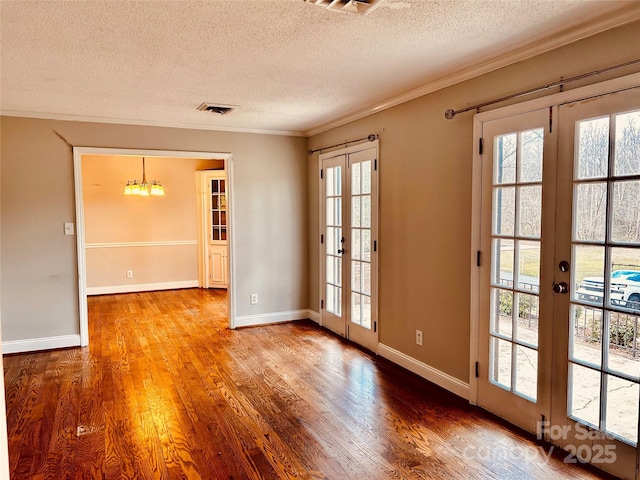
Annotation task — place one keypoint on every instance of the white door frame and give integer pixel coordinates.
(78, 152)
(597, 89)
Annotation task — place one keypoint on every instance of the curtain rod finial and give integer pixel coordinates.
(449, 114)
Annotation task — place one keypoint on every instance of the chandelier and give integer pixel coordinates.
(143, 189)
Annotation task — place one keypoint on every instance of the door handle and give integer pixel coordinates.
(341, 250)
(561, 287)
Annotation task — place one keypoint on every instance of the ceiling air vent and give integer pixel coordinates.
(363, 7)
(217, 109)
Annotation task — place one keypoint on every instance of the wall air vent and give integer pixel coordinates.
(363, 7)
(217, 109)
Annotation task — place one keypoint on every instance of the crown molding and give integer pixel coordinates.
(145, 123)
(623, 16)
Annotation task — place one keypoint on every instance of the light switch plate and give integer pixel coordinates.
(68, 228)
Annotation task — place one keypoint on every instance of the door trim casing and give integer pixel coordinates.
(78, 152)
(582, 93)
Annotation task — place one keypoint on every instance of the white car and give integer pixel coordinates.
(625, 289)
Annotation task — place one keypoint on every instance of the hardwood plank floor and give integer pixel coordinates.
(167, 391)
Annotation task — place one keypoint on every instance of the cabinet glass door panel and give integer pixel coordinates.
(218, 210)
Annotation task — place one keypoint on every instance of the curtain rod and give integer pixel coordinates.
(371, 137)
(450, 114)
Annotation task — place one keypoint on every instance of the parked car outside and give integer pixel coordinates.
(625, 289)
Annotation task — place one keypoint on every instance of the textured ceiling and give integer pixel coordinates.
(288, 65)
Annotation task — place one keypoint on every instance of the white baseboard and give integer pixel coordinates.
(315, 316)
(141, 287)
(441, 379)
(35, 344)
(265, 318)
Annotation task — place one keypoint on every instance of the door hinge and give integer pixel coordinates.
(321, 238)
(321, 304)
(477, 369)
(375, 245)
(375, 327)
(542, 428)
(375, 164)
(480, 146)
(550, 119)
(478, 258)
(321, 173)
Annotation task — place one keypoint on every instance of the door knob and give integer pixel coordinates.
(564, 266)
(341, 250)
(561, 287)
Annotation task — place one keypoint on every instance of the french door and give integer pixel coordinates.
(598, 234)
(517, 172)
(349, 200)
(559, 322)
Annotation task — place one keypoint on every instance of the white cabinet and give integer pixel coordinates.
(218, 266)
(212, 213)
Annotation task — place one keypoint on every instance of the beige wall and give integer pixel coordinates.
(112, 218)
(425, 198)
(38, 275)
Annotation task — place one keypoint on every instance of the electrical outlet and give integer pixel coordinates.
(129, 273)
(68, 228)
(419, 337)
(254, 299)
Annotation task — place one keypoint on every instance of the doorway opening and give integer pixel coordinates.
(163, 246)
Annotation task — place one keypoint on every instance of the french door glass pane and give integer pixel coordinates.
(593, 148)
(529, 210)
(586, 335)
(505, 210)
(588, 273)
(624, 355)
(501, 312)
(504, 167)
(627, 149)
(503, 255)
(622, 408)
(584, 399)
(500, 356)
(527, 372)
(625, 222)
(590, 211)
(532, 149)
(527, 324)
(528, 253)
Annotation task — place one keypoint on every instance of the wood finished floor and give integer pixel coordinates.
(166, 391)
